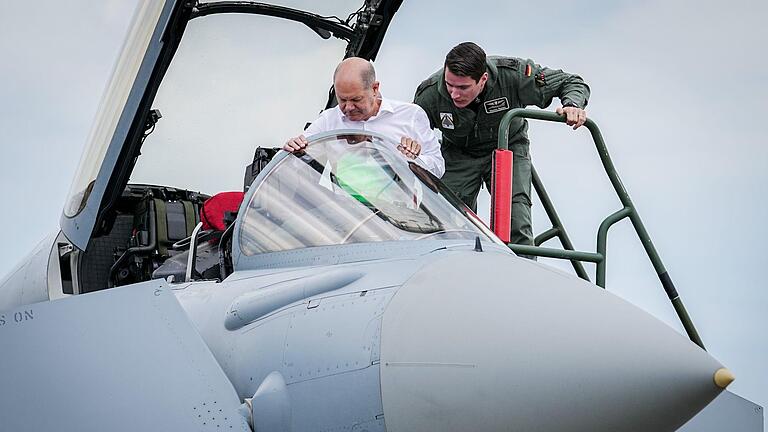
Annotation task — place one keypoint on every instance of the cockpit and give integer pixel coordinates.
(345, 188)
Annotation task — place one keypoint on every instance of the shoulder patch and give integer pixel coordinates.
(427, 83)
(446, 120)
(508, 62)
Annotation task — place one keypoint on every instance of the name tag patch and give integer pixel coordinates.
(446, 120)
(496, 105)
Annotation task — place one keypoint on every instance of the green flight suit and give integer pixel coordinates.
(470, 136)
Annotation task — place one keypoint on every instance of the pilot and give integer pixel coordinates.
(466, 100)
(361, 106)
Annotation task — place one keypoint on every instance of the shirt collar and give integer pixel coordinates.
(386, 106)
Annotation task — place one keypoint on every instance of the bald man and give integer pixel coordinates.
(361, 106)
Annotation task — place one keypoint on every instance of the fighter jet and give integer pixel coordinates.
(345, 290)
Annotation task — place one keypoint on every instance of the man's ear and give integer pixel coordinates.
(483, 78)
(375, 87)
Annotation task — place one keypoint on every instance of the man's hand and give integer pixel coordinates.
(409, 147)
(573, 116)
(295, 144)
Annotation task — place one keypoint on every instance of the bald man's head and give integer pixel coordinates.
(355, 68)
(357, 90)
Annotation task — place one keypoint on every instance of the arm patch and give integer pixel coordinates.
(508, 62)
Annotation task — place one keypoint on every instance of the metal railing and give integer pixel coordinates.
(558, 230)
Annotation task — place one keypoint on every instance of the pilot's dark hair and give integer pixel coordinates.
(466, 59)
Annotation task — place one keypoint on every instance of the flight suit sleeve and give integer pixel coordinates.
(421, 99)
(537, 85)
(430, 157)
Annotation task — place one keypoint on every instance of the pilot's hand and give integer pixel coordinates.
(409, 147)
(573, 116)
(295, 144)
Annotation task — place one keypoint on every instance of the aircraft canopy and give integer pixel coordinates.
(350, 189)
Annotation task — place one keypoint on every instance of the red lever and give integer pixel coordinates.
(501, 194)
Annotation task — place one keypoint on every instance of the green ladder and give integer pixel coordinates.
(558, 230)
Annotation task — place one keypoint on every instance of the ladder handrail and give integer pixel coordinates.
(628, 210)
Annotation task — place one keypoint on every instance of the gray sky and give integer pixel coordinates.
(676, 89)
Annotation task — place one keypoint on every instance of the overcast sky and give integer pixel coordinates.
(678, 89)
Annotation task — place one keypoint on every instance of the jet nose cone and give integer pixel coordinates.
(487, 342)
(723, 378)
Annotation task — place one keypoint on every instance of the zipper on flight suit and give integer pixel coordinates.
(474, 126)
(474, 129)
(478, 103)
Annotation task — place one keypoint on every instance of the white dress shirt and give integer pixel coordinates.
(395, 120)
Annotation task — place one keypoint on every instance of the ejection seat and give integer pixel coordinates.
(216, 214)
(175, 221)
(159, 218)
